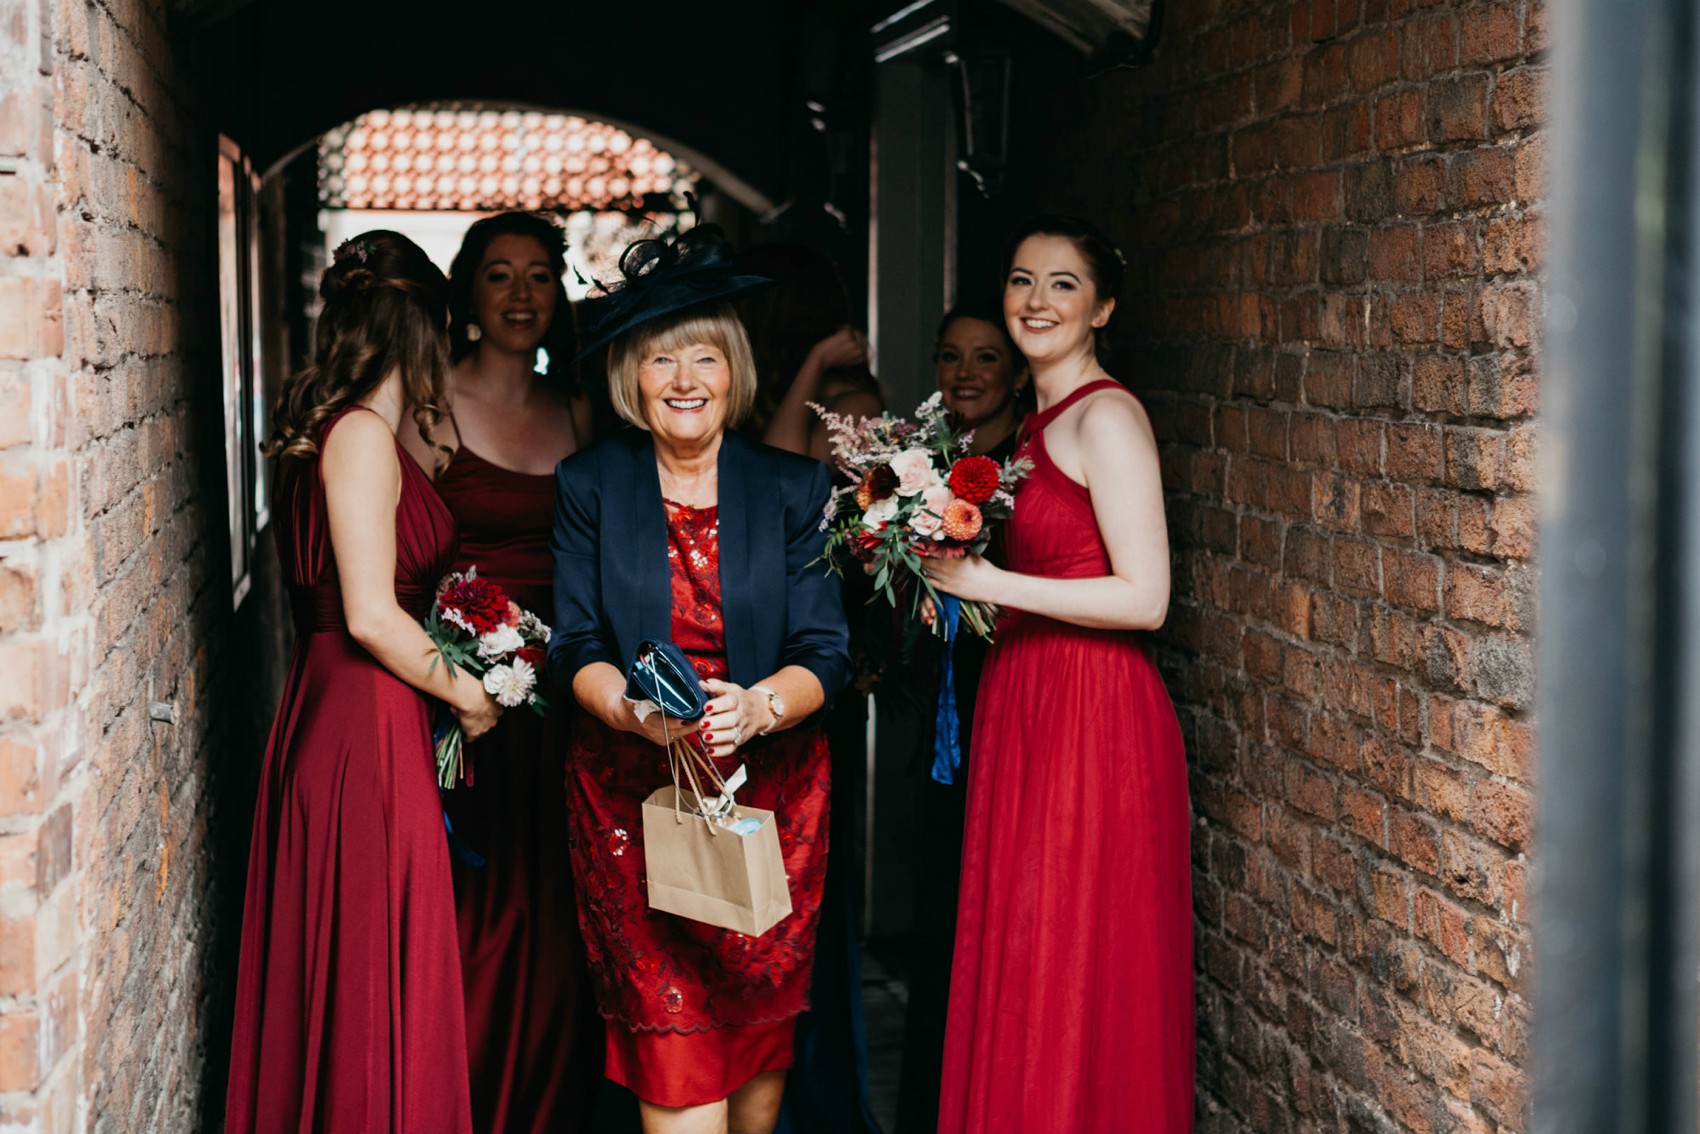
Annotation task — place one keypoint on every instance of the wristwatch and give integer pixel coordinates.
(775, 705)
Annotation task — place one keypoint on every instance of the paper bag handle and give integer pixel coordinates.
(680, 752)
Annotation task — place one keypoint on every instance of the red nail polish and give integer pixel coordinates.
(708, 736)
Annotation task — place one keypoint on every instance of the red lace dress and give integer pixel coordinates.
(694, 1012)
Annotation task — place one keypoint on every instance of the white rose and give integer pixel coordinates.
(500, 642)
(881, 512)
(924, 523)
(914, 469)
(512, 684)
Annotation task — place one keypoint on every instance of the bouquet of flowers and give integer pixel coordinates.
(477, 627)
(917, 493)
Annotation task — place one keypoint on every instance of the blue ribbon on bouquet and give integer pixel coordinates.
(947, 725)
(458, 847)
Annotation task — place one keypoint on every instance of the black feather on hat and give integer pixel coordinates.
(660, 277)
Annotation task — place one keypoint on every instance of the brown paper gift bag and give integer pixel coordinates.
(698, 866)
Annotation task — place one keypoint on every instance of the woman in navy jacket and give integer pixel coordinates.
(611, 564)
(679, 529)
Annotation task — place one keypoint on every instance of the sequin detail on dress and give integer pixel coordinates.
(654, 971)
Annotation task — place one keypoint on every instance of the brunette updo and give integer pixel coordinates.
(1103, 262)
(385, 309)
(560, 341)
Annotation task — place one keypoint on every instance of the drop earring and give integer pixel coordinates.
(474, 332)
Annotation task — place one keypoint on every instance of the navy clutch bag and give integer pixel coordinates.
(661, 674)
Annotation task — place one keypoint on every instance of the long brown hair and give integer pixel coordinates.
(386, 308)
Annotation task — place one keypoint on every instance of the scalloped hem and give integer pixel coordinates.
(666, 1029)
(678, 1068)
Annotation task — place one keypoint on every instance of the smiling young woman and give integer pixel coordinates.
(981, 373)
(1071, 988)
(984, 381)
(532, 1034)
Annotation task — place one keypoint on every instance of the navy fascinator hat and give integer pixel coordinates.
(660, 277)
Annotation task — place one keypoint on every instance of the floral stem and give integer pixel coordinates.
(449, 757)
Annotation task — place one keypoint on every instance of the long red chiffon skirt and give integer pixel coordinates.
(1071, 992)
(1071, 1000)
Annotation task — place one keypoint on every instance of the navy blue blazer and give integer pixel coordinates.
(612, 588)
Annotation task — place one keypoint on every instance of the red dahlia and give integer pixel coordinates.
(482, 603)
(974, 479)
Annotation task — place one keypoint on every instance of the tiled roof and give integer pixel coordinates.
(482, 160)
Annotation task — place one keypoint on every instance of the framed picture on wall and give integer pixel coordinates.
(244, 401)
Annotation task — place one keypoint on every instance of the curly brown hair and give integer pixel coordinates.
(386, 309)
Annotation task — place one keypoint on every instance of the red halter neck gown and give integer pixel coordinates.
(1071, 990)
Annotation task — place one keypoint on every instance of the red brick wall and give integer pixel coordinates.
(115, 914)
(39, 1018)
(1331, 215)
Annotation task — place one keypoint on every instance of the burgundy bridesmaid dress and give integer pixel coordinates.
(348, 1006)
(1071, 1005)
(533, 1037)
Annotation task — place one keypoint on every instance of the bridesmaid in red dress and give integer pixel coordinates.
(348, 1012)
(1071, 1005)
(533, 1038)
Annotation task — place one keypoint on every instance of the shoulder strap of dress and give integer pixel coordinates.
(1034, 422)
(325, 429)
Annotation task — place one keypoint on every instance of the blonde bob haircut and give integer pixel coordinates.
(717, 325)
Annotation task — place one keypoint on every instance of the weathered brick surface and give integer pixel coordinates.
(115, 915)
(1331, 215)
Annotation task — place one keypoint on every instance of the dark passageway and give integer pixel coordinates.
(1331, 214)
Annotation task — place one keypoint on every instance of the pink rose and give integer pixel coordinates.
(930, 515)
(914, 469)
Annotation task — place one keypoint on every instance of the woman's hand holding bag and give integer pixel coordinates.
(663, 691)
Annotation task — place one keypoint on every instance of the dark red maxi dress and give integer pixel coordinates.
(693, 1012)
(1071, 1002)
(534, 1042)
(348, 1006)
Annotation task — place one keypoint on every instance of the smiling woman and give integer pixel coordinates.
(532, 1045)
(685, 378)
(680, 529)
(981, 374)
(1071, 984)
